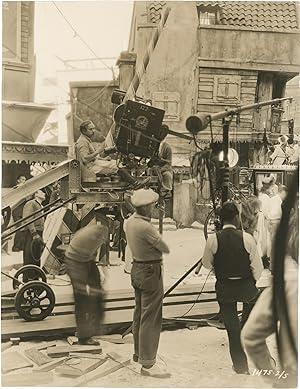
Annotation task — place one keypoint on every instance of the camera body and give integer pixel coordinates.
(138, 129)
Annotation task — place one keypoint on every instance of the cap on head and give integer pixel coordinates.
(283, 139)
(144, 197)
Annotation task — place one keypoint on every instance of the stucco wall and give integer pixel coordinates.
(278, 51)
(173, 63)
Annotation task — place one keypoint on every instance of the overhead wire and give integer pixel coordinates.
(82, 40)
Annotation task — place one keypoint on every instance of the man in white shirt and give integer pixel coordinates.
(274, 216)
(237, 265)
(282, 151)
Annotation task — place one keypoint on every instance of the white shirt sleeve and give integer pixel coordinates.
(255, 260)
(210, 249)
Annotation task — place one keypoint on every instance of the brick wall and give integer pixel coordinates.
(25, 30)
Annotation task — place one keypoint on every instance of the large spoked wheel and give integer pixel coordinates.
(34, 301)
(212, 224)
(29, 272)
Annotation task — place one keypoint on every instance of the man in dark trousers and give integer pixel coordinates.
(162, 164)
(147, 248)
(233, 256)
(33, 233)
(85, 278)
(17, 214)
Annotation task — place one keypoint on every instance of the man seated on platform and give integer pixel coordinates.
(95, 160)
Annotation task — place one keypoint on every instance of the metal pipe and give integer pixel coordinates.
(199, 121)
(5, 234)
(36, 212)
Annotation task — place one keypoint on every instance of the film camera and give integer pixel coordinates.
(138, 128)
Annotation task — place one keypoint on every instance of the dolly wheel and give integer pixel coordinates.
(34, 301)
(32, 273)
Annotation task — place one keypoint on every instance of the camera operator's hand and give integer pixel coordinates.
(100, 149)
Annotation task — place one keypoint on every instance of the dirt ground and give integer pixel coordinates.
(195, 358)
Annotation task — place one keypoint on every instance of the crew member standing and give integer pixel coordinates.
(33, 233)
(163, 163)
(85, 278)
(234, 257)
(274, 216)
(17, 214)
(147, 248)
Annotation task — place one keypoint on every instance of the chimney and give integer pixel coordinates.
(126, 63)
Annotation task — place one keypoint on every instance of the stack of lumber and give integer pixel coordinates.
(119, 306)
(51, 364)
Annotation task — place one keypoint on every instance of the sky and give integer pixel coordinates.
(60, 29)
(103, 25)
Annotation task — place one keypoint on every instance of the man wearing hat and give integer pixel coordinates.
(282, 151)
(147, 248)
(234, 257)
(33, 232)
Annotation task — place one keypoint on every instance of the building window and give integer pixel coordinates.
(227, 89)
(207, 18)
(169, 102)
(11, 30)
(208, 14)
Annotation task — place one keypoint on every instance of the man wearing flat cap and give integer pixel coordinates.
(233, 256)
(147, 248)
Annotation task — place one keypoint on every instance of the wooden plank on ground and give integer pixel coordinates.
(14, 360)
(116, 339)
(87, 355)
(27, 379)
(37, 356)
(84, 366)
(5, 346)
(110, 366)
(51, 365)
(45, 345)
(62, 351)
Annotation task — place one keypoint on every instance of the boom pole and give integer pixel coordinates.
(199, 121)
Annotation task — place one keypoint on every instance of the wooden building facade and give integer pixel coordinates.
(213, 56)
(217, 55)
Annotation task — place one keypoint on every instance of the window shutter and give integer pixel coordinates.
(169, 102)
(227, 89)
